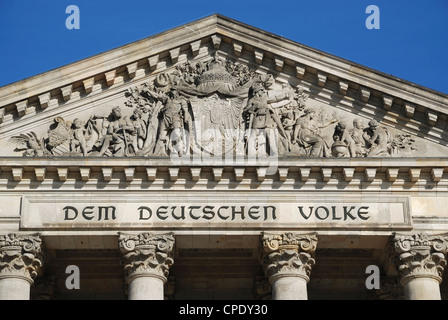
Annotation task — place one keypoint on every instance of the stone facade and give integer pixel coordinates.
(228, 163)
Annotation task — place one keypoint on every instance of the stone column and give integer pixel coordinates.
(20, 262)
(420, 260)
(287, 260)
(146, 259)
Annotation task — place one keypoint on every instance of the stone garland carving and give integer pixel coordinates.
(20, 255)
(421, 254)
(214, 108)
(288, 253)
(147, 254)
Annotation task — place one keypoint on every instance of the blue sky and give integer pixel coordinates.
(412, 42)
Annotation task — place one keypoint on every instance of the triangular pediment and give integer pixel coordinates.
(225, 88)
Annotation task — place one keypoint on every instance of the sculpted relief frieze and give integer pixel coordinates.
(215, 108)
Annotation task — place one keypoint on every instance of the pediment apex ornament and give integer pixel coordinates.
(215, 107)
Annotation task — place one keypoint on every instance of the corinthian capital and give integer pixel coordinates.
(421, 255)
(20, 255)
(145, 253)
(288, 253)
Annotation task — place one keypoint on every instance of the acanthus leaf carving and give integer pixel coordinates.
(146, 253)
(421, 254)
(21, 255)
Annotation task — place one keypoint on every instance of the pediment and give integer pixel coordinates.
(227, 88)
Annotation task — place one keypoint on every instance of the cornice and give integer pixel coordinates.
(376, 174)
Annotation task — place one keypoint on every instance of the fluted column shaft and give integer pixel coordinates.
(287, 260)
(420, 262)
(146, 259)
(20, 262)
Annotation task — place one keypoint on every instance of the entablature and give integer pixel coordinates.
(332, 174)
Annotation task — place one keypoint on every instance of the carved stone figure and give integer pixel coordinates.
(138, 135)
(113, 141)
(341, 141)
(264, 123)
(358, 144)
(79, 139)
(307, 133)
(377, 139)
(173, 118)
(288, 122)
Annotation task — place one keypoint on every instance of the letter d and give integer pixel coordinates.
(148, 213)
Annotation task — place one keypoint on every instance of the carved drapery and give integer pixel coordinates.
(20, 256)
(288, 253)
(420, 255)
(146, 254)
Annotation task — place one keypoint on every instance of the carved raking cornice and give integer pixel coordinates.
(420, 255)
(288, 254)
(146, 254)
(20, 256)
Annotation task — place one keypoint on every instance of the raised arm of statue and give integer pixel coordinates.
(158, 96)
(277, 95)
(329, 123)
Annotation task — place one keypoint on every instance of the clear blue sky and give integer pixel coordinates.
(412, 42)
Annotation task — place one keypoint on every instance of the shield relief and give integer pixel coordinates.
(218, 125)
